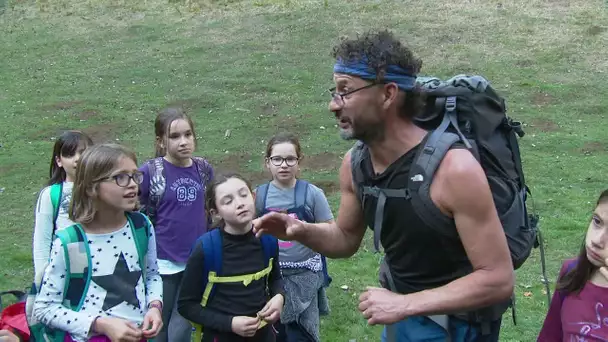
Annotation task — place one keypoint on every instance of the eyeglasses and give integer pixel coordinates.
(278, 161)
(339, 97)
(123, 179)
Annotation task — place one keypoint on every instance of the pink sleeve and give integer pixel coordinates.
(552, 326)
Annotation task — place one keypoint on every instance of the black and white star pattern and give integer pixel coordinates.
(117, 287)
(120, 286)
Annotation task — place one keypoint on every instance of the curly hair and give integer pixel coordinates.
(380, 50)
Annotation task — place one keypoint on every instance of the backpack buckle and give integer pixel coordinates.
(450, 104)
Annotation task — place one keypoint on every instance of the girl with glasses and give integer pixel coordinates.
(102, 281)
(304, 270)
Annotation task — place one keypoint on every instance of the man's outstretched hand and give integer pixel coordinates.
(282, 226)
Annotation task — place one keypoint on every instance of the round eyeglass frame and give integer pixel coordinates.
(123, 179)
(278, 161)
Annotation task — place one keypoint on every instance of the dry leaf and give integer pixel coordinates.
(527, 294)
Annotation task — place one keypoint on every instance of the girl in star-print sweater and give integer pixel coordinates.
(124, 299)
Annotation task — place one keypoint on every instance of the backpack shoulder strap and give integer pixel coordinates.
(204, 170)
(356, 157)
(211, 243)
(212, 251)
(428, 158)
(157, 180)
(300, 192)
(260, 198)
(270, 247)
(77, 257)
(140, 228)
(56, 191)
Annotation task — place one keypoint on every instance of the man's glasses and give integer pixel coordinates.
(339, 97)
(278, 161)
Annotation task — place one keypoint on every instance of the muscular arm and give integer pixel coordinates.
(339, 239)
(466, 195)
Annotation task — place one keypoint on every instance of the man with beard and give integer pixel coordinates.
(374, 102)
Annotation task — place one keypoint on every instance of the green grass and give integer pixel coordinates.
(255, 67)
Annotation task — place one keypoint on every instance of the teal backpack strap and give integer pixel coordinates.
(77, 257)
(78, 264)
(260, 198)
(140, 228)
(56, 192)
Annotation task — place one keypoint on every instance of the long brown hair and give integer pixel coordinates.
(66, 145)
(210, 204)
(162, 124)
(574, 280)
(97, 162)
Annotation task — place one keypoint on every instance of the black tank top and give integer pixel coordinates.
(419, 257)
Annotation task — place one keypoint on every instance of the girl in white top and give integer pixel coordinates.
(53, 216)
(116, 294)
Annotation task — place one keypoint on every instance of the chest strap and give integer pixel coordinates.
(246, 279)
(382, 194)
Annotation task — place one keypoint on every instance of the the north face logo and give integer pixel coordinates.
(418, 178)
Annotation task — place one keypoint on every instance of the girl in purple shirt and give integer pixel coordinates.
(579, 308)
(172, 195)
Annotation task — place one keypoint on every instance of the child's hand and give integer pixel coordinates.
(152, 324)
(245, 326)
(272, 310)
(118, 330)
(7, 336)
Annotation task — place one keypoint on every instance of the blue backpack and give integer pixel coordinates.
(212, 251)
(299, 207)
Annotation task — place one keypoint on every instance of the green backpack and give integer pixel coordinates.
(56, 191)
(76, 252)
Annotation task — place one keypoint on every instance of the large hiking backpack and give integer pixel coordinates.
(214, 274)
(158, 183)
(467, 110)
(77, 253)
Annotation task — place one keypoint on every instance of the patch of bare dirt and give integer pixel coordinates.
(542, 99)
(103, 133)
(594, 30)
(62, 105)
(268, 109)
(46, 133)
(291, 123)
(10, 168)
(87, 114)
(328, 187)
(238, 162)
(524, 63)
(544, 125)
(322, 162)
(594, 147)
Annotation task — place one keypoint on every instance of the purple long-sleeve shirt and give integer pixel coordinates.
(180, 216)
(579, 317)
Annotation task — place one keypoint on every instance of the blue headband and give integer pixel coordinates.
(360, 68)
